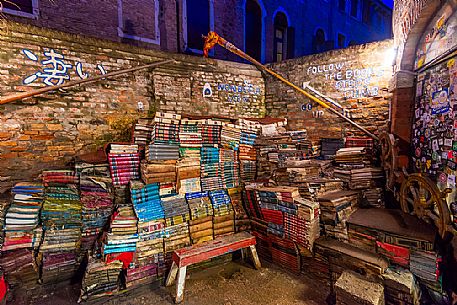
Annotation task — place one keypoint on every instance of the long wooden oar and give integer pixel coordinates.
(213, 38)
(23, 95)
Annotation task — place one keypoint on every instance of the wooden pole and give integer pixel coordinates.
(23, 95)
(212, 39)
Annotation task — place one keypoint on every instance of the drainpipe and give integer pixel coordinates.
(178, 28)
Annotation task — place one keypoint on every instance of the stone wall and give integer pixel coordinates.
(356, 77)
(49, 130)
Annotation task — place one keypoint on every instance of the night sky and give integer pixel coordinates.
(389, 3)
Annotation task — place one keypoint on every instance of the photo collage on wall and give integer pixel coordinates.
(435, 126)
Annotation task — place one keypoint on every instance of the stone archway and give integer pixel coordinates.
(411, 19)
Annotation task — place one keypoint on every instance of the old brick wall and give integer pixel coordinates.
(356, 77)
(49, 130)
(100, 19)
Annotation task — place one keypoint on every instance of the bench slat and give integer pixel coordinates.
(221, 245)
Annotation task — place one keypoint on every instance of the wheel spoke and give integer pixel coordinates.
(410, 201)
(432, 216)
(413, 192)
(429, 201)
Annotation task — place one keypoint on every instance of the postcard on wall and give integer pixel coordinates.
(440, 101)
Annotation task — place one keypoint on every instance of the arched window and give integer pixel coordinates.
(253, 29)
(319, 41)
(280, 43)
(198, 22)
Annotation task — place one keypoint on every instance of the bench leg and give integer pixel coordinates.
(255, 257)
(172, 275)
(180, 284)
(243, 254)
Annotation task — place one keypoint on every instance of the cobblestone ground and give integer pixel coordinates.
(228, 284)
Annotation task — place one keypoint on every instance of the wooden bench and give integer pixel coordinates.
(199, 253)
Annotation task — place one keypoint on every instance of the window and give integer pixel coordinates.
(23, 8)
(319, 41)
(198, 22)
(280, 46)
(366, 11)
(341, 41)
(355, 8)
(253, 30)
(138, 21)
(342, 5)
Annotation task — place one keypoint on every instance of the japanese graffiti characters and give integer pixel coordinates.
(55, 69)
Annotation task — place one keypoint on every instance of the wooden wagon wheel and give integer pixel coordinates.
(389, 157)
(421, 197)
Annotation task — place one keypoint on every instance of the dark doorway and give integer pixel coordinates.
(253, 29)
(198, 23)
(319, 41)
(280, 46)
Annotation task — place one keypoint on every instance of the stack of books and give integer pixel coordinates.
(176, 237)
(190, 134)
(124, 161)
(58, 255)
(223, 220)
(175, 209)
(188, 170)
(97, 201)
(146, 201)
(229, 168)
(166, 128)
(22, 216)
(230, 136)
(336, 208)
(122, 235)
(142, 131)
(210, 172)
(100, 279)
(211, 131)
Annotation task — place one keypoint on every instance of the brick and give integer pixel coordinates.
(42, 137)
(8, 143)
(11, 155)
(19, 148)
(54, 126)
(23, 138)
(37, 126)
(30, 132)
(55, 148)
(5, 135)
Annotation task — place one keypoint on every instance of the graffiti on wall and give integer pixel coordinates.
(55, 68)
(353, 83)
(439, 38)
(233, 93)
(308, 108)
